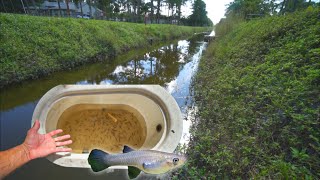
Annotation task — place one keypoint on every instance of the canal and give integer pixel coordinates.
(171, 66)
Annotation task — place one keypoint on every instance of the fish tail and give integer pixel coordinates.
(97, 160)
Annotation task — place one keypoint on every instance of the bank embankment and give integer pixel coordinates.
(258, 94)
(33, 47)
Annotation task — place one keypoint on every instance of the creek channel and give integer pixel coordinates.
(171, 66)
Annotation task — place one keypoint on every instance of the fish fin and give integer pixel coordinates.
(133, 172)
(127, 149)
(97, 160)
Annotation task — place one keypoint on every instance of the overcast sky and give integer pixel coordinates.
(215, 9)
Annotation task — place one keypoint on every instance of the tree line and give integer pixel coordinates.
(131, 10)
(242, 10)
(245, 8)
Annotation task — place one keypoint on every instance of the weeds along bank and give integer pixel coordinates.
(33, 47)
(258, 94)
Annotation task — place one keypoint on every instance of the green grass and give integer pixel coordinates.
(258, 94)
(32, 47)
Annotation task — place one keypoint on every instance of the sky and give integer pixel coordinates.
(215, 9)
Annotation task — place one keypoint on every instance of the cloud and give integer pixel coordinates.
(216, 9)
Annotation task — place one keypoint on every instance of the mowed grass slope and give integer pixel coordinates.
(32, 47)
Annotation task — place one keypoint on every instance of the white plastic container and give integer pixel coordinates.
(155, 109)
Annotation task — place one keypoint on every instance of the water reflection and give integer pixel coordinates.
(171, 66)
(156, 67)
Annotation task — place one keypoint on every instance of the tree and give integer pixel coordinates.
(179, 4)
(244, 7)
(105, 5)
(79, 2)
(59, 6)
(90, 9)
(68, 10)
(152, 11)
(171, 4)
(131, 9)
(116, 8)
(158, 10)
(199, 14)
(293, 5)
(138, 10)
(34, 5)
(144, 8)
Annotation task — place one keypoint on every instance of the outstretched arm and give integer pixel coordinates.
(34, 146)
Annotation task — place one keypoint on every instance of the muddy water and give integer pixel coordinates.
(93, 127)
(171, 66)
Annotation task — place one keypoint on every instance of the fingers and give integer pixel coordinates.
(55, 132)
(58, 149)
(64, 143)
(60, 138)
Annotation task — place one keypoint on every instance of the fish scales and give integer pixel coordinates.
(135, 158)
(149, 161)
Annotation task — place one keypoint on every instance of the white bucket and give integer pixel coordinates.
(152, 106)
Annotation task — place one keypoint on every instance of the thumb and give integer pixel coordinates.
(36, 126)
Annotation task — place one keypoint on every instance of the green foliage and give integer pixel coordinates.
(258, 8)
(293, 5)
(33, 47)
(245, 7)
(199, 15)
(258, 91)
(226, 25)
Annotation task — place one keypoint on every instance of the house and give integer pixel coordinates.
(95, 12)
(52, 9)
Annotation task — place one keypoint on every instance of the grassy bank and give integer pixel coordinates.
(258, 94)
(32, 47)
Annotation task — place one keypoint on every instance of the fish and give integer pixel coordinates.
(148, 161)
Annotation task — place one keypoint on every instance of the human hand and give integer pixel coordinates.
(40, 145)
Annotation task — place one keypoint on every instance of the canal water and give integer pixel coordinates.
(171, 66)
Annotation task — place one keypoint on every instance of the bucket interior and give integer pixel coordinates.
(108, 122)
(106, 127)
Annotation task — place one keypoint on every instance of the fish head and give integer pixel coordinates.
(162, 162)
(175, 160)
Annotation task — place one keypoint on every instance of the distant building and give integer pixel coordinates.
(174, 21)
(95, 12)
(52, 9)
